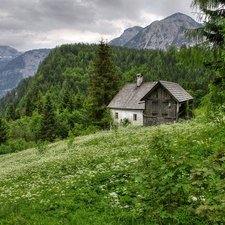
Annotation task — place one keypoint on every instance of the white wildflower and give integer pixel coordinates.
(113, 194)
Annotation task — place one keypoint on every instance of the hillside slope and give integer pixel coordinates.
(94, 179)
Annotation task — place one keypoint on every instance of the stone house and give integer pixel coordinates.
(150, 103)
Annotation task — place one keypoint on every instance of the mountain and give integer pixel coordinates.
(161, 34)
(126, 36)
(7, 54)
(23, 66)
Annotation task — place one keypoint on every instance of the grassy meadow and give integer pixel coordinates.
(98, 178)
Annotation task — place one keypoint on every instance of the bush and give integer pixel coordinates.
(15, 145)
(125, 122)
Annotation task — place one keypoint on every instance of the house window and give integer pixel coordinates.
(116, 116)
(134, 117)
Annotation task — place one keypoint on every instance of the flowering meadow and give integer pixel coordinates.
(170, 174)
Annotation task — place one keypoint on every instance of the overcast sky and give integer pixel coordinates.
(33, 24)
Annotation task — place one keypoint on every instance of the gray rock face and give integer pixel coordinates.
(21, 67)
(161, 34)
(7, 54)
(126, 36)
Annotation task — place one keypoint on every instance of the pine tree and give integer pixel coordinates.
(35, 98)
(37, 103)
(3, 131)
(67, 102)
(48, 126)
(28, 109)
(17, 114)
(104, 84)
(78, 101)
(70, 104)
(10, 112)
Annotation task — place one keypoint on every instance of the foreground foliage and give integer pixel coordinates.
(171, 174)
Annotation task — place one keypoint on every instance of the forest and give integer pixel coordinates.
(65, 74)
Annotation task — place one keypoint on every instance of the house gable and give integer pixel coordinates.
(174, 89)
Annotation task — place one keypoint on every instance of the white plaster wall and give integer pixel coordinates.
(122, 113)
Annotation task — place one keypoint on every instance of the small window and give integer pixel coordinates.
(116, 116)
(134, 117)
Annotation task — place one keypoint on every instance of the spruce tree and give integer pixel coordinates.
(104, 84)
(37, 103)
(67, 102)
(17, 114)
(78, 101)
(48, 126)
(3, 131)
(28, 109)
(11, 114)
(70, 104)
(35, 98)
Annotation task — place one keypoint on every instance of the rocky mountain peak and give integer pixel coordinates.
(161, 34)
(126, 36)
(7, 54)
(23, 66)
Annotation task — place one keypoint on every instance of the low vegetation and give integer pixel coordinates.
(170, 174)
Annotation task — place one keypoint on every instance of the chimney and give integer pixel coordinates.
(139, 79)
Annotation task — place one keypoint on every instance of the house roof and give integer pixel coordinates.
(175, 90)
(131, 96)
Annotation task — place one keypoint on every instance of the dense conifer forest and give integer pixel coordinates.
(69, 66)
(58, 101)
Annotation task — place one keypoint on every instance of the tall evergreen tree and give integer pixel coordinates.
(3, 131)
(10, 115)
(48, 126)
(37, 103)
(67, 102)
(17, 114)
(78, 101)
(28, 109)
(104, 83)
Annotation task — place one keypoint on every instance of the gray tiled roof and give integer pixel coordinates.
(177, 91)
(131, 96)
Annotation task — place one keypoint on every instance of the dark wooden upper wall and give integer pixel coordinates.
(160, 107)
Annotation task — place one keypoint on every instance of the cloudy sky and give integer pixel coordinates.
(32, 24)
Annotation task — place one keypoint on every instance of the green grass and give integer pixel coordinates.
(90, 181)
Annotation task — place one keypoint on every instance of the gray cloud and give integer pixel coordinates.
(45, 23)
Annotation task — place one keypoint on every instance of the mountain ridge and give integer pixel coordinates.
(126, 36)
(162, 33)
(7, 54)
(23, 66)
